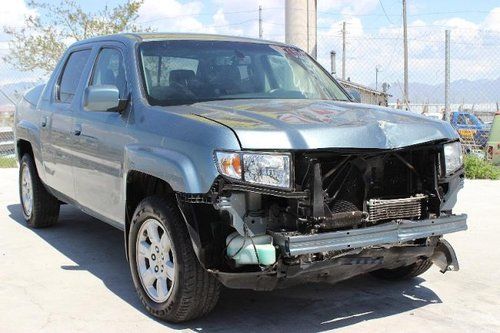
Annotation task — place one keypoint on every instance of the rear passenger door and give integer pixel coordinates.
(58, 123)
(103, 136)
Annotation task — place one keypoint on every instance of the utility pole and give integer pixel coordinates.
(405, 45)
(260, 22)
(343, 50)
(377, 69)
(447, 76)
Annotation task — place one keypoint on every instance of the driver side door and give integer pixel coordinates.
(103, 136)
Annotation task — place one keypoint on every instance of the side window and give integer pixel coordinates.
(158, 69)
(73, 69)
(165, 76)
(109, 69)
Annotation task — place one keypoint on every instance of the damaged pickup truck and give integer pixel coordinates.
(235, 162)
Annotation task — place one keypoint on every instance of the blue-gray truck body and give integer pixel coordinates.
(86, 158)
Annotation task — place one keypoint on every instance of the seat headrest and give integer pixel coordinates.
(108, 77)
(229, 77)
(181, 76)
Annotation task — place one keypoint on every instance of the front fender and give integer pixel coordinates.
(182, 172)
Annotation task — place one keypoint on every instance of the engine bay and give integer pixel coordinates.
(336, 193)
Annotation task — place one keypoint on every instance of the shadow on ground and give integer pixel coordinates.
(98, 248)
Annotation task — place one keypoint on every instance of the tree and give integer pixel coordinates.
(43, 39)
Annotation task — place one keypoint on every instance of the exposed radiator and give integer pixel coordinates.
(390, 209)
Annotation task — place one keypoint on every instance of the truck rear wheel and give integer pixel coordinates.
(168, 278)
(40, 208)
(405, 272)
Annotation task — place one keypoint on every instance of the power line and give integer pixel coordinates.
(167, 17)
(383, 9)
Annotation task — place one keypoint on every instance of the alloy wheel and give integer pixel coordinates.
(155, 260)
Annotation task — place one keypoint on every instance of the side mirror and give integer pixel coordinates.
(356, 96)
(102, 98)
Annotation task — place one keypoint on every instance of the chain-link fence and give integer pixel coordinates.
(13, 84)
(376, 61)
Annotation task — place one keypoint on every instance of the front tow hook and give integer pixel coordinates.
(444, 257)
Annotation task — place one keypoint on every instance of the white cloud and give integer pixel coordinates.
(229, 17)
(221, 24)
(492, 21)
(13, 13)
(171, 15)
(348, 7)
(244, 16)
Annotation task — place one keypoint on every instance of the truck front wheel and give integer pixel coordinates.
(168, 278)
(40, 208)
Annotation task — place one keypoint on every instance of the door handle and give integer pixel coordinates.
(77, 130)
(43, 122)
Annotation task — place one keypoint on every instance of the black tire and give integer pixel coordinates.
(195, 291)
(45, 207)
(405, 272)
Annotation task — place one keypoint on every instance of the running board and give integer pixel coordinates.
(393, 232)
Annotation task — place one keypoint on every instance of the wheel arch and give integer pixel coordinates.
(24, 147)
(168, 172)
(140, 185)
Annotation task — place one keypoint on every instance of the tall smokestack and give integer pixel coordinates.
(333, 67)
(300, 24)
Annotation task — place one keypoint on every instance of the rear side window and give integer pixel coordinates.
(71, 75)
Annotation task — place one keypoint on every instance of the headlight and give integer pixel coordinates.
(453, 157)
(266, 169)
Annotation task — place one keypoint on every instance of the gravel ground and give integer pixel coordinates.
(74, 277)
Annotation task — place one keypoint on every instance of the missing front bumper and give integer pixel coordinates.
(388, 233)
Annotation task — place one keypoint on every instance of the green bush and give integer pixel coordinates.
(478, 168)
(8, 162)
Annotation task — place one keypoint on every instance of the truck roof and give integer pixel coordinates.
(158, 36)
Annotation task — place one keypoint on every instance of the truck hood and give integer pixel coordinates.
(314, 124)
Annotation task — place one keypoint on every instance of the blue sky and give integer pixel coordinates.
(374, 31)
(371, 15)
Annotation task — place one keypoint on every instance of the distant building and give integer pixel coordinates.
(368, 95)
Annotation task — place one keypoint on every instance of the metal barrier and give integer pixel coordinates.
(6, 141)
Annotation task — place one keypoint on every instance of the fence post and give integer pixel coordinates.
(447, 76)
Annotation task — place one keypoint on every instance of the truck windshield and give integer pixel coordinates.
(180, 72)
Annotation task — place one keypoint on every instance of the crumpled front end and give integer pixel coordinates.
(348, 212)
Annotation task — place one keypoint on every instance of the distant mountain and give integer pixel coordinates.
(461, 91)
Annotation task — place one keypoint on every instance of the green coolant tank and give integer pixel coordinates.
(243, 252)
